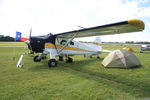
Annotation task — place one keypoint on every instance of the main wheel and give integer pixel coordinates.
(36, 59)
(98, 57)
(69, 60)
(52, 63)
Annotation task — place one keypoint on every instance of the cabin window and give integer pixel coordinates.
(71, 43)
(63, 42)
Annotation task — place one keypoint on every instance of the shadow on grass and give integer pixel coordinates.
(132, 67)
(145, 52)
(43, 65)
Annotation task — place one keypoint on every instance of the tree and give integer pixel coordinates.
(6, 38)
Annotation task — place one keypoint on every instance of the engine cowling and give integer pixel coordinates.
(37, 43)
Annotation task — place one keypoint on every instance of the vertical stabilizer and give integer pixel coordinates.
(97, 39)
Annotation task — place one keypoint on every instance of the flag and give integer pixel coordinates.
(19, 37)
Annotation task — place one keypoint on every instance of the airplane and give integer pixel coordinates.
(145, 47)
(63, 45)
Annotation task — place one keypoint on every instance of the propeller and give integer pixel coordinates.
(28, 42)
(30, 47)
(30, 33)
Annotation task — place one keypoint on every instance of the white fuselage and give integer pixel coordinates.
(63, 47)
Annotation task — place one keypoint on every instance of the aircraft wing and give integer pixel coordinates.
(133, 25)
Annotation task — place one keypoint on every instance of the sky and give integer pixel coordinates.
(57, 16)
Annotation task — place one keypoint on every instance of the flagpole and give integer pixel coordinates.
(14, 49)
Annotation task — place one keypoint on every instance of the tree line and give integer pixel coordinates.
(129, 42)
(7, 38)
(141, 42)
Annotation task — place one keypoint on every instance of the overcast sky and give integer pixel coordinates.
(56, 16)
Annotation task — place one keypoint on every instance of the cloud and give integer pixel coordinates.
(144, 12)
(116, 10)
(57, 16)
(148, 24)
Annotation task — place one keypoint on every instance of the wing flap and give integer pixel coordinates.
(133, 25)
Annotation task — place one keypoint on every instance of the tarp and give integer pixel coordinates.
(121, 59)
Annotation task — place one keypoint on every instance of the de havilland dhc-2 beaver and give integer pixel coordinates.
(63, 45)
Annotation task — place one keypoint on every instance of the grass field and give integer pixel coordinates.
(84, 79)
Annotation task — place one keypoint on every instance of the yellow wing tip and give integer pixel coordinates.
(137, 23)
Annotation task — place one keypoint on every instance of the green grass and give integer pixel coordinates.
(84, 79)
(12, 44)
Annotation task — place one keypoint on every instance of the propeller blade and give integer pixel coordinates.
(30, 34)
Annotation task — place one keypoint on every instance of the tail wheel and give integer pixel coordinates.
(52, 63)
(36, 59)
(69, 60)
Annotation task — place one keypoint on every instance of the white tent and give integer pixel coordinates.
(121, 59)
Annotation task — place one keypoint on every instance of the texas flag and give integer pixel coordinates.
(19, 37)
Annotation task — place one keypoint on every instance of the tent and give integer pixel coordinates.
(121, 59)
(128, 49)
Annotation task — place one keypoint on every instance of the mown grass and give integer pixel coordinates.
(84, 79)
(12, 44)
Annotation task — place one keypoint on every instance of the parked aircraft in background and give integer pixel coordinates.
(145, 47)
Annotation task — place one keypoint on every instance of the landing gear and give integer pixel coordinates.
(98, 57)
(31, 53)
(69, 60)
(52, 63)
(39, 57)
(141, 51)
(43, 57)
(61, 58)
(36, 59)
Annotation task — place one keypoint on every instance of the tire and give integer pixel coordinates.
(69, 60)
(98, 57)
(52, 63)
(35, 59)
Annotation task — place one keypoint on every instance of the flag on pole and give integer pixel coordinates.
(19, 37)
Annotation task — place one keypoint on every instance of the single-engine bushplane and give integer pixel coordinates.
(63, 45)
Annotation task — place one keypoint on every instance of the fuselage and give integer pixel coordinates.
(73, 48)
(61, 46)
